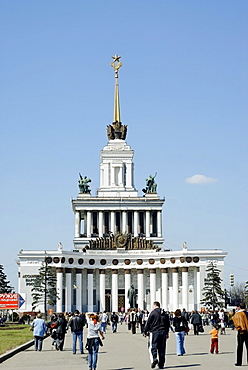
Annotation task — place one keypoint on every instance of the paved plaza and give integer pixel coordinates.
(126, 351)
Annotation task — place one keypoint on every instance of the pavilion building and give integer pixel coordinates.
(118, 242)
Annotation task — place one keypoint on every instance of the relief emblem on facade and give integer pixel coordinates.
(120, 240)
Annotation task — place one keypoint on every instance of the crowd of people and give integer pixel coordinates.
(156, 325)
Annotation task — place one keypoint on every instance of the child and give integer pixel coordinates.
(214, 341)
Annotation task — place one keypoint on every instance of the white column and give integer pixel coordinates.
(124, 222)
(77, 224)
(90, 290)
(100, 220)
(128, 175)
(59, 272)
(127, 286)
(175, 288)
(102, 290)
(135, 223)
(89, 224)
(140, 278)
(152, 287)
(198, 286)
(114, 290)
(185, 288)
(147, 224)
(68, 290)
(164, 273)
(79, 290)
(112, 222)
(159, 223)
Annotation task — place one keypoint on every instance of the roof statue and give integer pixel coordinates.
(116, 130)
(151, 185)
(83, 184)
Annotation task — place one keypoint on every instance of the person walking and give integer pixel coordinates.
(93, 340)
(157, 326)
(39, 329)
(60, 332)
(114, 319)
(196, 321)
(240, 321)
(214, 341)
(181, 326)
(104, 320)
(77, 324)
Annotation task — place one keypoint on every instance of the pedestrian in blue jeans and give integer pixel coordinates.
(181, 325)
(93, 340)
(39, 328)
(77, 324)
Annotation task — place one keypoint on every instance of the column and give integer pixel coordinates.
(79, 290)
(100, 220)
(68, 290)
(114, 290)
(159, 223)
(90, 290)
(129, 175)
(147, 224)
(185, 288)
(102, 289)
(127, 286)
(152, 287)
(112, 222)
(135, 223)
(198, 287)
(89, 224)
(164, 273)
(175, 288)
(124, 222)
(140, 278)
(77, 224)
(59, 289)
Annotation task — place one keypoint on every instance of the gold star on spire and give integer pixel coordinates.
(116, 58)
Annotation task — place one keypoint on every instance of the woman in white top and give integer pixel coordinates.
(93, 340)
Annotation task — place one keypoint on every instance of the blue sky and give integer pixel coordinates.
(183, 93)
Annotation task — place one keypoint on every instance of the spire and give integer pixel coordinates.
(116, 130)
(116, 64)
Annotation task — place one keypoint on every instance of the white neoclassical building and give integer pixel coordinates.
(119, 242)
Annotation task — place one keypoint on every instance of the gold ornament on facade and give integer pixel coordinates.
(173, 260)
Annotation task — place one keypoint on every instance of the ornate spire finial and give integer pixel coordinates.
(116, 64)
(116, 130)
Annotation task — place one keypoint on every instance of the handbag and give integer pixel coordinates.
(201, 329)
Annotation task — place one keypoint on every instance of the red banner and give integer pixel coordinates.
(9, 301)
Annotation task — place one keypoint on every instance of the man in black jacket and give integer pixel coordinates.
(157, 326)
(77, 324)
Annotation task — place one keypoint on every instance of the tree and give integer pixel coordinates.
(246, 293)
(214, 296)
(4, 283)
(237, 294)
(44, 287)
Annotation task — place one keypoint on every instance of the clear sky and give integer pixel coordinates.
(183, 93)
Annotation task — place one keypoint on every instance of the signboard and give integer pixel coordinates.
(11, 301)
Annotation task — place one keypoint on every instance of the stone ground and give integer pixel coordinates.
(124, 351)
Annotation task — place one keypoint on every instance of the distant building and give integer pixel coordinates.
(118, 243)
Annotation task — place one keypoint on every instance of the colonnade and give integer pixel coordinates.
(84, 289)
(97, 223)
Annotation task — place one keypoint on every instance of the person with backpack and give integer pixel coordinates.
(157, 327)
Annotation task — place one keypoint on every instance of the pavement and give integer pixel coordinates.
(126, 351)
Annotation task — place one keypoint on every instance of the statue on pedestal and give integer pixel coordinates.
(83, 184)
(131, 294)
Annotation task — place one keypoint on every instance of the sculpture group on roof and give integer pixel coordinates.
(83, 184)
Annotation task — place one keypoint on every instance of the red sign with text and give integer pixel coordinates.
(9, 301)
